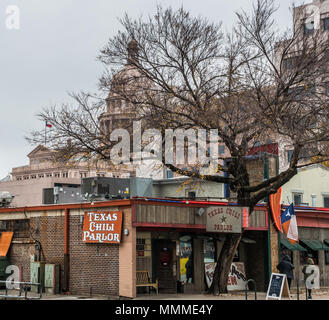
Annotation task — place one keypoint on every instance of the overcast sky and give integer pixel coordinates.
(54, 52)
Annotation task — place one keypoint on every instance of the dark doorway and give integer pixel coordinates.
(164, 262)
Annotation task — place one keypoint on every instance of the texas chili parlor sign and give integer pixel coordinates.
(102, 227)
(225, 219)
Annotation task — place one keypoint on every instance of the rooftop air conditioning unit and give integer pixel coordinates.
(5, 198)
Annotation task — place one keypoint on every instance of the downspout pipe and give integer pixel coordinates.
(66, 249)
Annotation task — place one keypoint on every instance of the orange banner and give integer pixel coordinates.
(5, 242)
(102, 227)
(275, 203)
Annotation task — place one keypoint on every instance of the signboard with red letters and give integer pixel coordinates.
(236, 279)
(225, 219)
(102, 227)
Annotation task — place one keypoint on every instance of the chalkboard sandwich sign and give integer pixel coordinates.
(278, 287)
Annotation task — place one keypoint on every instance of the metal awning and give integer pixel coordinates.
(315, 245)
(292, 247)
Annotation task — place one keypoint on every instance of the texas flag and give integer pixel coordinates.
(289, 224)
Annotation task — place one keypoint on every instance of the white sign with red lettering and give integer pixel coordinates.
(225, 219)
(236, 278)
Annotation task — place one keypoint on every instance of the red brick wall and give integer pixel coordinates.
(19, 255)
(50, 232)
(51, 236)
(93, 267)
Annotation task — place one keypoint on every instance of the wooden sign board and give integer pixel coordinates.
(102, 227)
(278, 287)
(225, 219)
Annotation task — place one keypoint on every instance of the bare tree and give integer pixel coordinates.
(183, 72)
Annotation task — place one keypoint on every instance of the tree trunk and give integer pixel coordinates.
(231, 243)
(224, 261)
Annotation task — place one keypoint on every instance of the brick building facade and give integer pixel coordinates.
(150, 228)
(92, 268)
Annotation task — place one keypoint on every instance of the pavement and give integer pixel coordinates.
(322, 294)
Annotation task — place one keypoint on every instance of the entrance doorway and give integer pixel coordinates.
(164, 265)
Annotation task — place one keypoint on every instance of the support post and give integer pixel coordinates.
(66, 250)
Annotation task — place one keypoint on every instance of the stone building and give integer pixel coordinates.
(27, 183)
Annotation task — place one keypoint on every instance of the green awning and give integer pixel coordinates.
(291, 246)
(326, 241)
(315, 245)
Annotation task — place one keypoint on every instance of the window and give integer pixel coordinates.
(289, 63)
(221, 149)
(326, 201)
(297, 198)
(100, 174)
(309, 27)
(143, 247)
(140, 247)
(325, 24)
(65, 174)
(57, 175)
(289, 155)
(19, 227)
(83, 174)
(190, 193)
(209, 250)
(4, 225)
(186, 259)
(170, 174)
(313, 200)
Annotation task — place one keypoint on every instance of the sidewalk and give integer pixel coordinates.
(321, 295)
